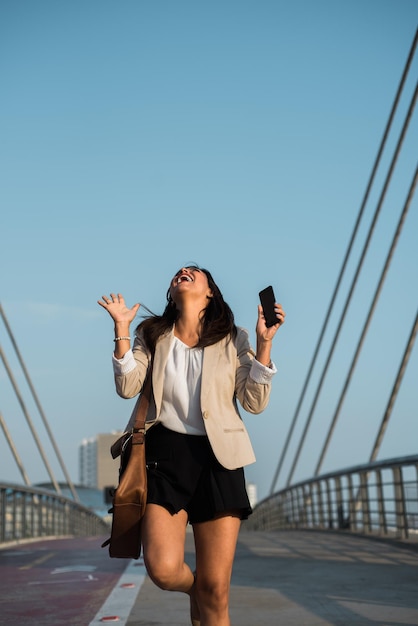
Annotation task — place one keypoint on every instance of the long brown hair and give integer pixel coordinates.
(217, 319)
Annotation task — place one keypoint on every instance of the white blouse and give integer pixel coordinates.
(180, 408)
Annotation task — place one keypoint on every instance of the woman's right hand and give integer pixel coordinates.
(117, 309)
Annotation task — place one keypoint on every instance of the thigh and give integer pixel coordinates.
(163, 537)
(215, 542)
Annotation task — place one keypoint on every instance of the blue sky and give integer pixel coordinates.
(138, 136)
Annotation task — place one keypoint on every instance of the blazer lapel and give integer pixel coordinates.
(211, 356)
(162, 350)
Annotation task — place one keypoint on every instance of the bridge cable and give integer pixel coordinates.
(356, 276)
(29, 421)
(394, 393)
(366, 325)
(14, 451)
(38, 405)
(347, 255)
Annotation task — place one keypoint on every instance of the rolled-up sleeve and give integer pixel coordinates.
(262, 374)
(252, 379)
(131, 370)
(124, 365)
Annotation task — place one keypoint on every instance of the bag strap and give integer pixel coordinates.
(137, 433)
(138, 430)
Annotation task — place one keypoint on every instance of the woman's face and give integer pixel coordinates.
(192, 281)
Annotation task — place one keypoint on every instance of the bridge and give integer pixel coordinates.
(338, 548)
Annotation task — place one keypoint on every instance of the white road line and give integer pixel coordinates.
(122, 598)
(63, 581)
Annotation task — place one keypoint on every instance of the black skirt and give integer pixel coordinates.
(183, 473)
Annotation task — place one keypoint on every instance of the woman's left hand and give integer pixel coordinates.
(264, 333)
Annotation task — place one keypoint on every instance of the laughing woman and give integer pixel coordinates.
(196, 442)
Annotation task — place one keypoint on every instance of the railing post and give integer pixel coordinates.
(329, 505)
(292, 507)
(381, 503)
(14, 510)
(314, 504)
(35, 516)
(401, 520)
(414, 515)
(302, 507)
(352, 500)
(24, 516)
(320, 504)
(2, 515)
(343, 522)
(365, 503)
(309, 500)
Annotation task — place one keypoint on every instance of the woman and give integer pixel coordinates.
(196, 443)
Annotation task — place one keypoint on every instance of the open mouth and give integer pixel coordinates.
(184, 278)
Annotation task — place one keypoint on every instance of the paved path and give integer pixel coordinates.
(298, 578)
(283, 578)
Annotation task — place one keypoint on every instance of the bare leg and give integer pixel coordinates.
(215, 543)
(163, 538)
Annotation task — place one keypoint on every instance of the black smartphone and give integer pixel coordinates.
(268, 301)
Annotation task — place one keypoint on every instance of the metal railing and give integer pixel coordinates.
(27, 513)
(379, 498)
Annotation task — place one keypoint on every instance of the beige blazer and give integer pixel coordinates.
(225, 379)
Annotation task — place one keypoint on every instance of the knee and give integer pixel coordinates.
(163, 572)
(213, 594)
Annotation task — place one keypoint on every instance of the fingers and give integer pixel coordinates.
(280, 314)
(115, 298)
(116, 307)
(107, 301)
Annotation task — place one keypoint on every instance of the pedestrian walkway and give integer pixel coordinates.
(302, 578)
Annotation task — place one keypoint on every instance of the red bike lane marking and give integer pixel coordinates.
(64, 581)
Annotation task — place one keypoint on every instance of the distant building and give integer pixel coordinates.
(252, 493)
(96, 467)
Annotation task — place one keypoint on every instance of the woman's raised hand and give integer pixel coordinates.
(117, 309)
(265, 333)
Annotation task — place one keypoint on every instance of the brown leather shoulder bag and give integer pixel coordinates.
(130, 496)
